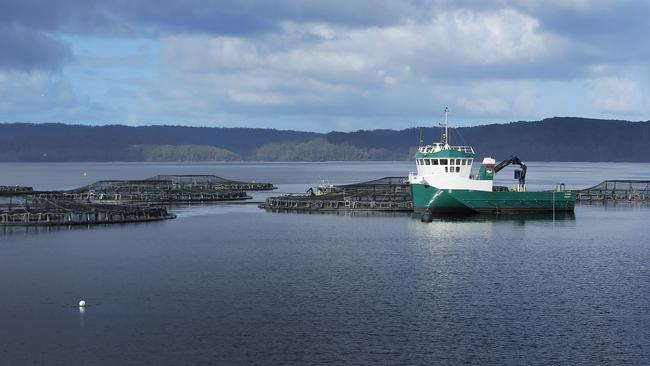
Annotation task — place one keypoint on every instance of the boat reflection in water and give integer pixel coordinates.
(344, 212)
(521, 217)
(462, 230)
(417, 216)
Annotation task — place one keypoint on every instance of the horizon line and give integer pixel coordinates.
(111, 124)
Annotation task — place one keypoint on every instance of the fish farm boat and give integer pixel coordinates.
(444, 184)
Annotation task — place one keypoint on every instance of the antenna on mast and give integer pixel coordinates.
(421, 141)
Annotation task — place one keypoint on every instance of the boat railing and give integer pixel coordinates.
(438, 147)
(429, 148)
(465, 149)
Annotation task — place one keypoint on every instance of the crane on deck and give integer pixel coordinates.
(520, 174)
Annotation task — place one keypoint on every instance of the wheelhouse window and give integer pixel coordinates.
(457, 169)
(446, 169)
(443, 162)
(434, 161)
(427, 161)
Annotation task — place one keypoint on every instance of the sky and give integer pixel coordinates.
(322, 65)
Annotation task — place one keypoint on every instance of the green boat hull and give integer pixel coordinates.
(461, 201)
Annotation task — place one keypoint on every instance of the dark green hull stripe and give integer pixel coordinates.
(466, 201)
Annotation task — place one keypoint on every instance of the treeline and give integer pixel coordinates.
(61, 142)
(321, 150)
(313, 150)
(553, 139)
(180, 153)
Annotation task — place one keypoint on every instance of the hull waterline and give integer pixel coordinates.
(459, 201)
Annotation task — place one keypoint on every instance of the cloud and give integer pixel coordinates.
(45, 97)
(490, 98)
(25, 49)
(617, 95)
(242, 17)
(314, 66)
(30, 30)
(23, 92)
(590, 27)
(323, 60)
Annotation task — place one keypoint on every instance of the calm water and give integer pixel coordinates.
(232, 284)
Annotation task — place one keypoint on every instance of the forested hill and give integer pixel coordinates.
(553, 139)
(62, 142)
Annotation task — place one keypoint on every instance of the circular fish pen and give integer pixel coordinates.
(385, 194)
(35, 211)
(616, 190)
(211, 182)
(167, 189)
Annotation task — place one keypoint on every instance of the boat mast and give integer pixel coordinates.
(446, 139)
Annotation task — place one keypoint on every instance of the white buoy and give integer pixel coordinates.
(82, 304)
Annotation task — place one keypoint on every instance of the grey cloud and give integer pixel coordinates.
(600, 26)
(67, 16)
(333, 58)
(241, 17)
(26, 49)
(25, 26)
(612, 32)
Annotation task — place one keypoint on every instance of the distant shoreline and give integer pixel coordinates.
(553, 139)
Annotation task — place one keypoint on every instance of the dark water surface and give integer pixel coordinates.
(232, 284)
